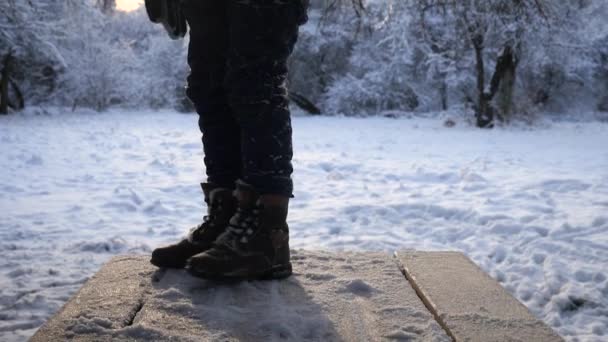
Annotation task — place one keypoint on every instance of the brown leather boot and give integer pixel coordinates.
(221, 205)
(255, 244)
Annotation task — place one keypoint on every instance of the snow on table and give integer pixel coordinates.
(348, 297)
(528, 205)
(344, 296)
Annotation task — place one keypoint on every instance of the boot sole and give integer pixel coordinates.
(160, 264)
(275, 273)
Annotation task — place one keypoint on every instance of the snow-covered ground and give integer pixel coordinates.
(528, 205)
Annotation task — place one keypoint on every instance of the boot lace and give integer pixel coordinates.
(244, 224)
(208, 220)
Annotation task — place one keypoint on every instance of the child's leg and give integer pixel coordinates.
(207, 55)
(262, 35)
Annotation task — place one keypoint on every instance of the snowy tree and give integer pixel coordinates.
(158, 68)
(93, 64)
(324, 44)
(457, 30)
(30, 63)
(354, 57)
(72, 54)
(379, 74)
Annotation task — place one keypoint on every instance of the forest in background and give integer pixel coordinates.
(487, 59)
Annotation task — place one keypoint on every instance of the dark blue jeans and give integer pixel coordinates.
(238, 59)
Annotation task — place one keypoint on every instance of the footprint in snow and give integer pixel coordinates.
(359, 288)
(566, 185)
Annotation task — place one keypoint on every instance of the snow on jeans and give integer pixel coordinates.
(238, 59)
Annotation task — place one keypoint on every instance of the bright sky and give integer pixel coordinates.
(128, 5)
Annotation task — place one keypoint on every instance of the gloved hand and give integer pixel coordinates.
(169, 14)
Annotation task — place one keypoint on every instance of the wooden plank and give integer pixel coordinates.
(331, 297)
(469, 304)
(109, 300)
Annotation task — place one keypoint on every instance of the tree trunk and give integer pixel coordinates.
(503, 83)
(505, 94)
(443, 95)
(484, 115)
(6, 64)
(20, 104)
(304, 103)
(505, 91)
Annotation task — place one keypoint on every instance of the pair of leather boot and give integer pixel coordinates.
(244, 236)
